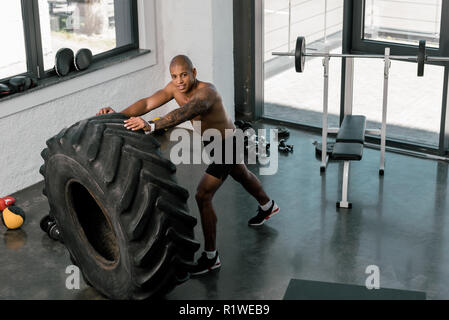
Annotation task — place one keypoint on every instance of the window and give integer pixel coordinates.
(298, 97)
(106, 27)
(79, 24)
(12, 53)
(403, 21)
(414, 104)
(417, 109)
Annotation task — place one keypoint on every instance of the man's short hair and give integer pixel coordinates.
(182, 60)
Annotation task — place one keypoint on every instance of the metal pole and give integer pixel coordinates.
(325, 113)
(372, 21)
(368, 56)
(325, 21)
(344, 189)
(289, 22)
(437, 15)
(349, 87)
(361, 56)
(383, 133)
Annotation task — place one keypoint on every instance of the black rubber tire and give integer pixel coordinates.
(121, 214)
(73, 261)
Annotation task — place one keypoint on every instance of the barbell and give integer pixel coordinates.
(300, 55)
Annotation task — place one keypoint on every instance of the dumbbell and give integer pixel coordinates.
(49, 226)
(285, 147)
(283, 132)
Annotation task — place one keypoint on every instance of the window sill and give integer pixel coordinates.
(56, 87)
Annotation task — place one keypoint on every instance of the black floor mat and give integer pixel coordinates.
(316, 290)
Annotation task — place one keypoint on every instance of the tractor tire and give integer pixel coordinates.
(121, 214)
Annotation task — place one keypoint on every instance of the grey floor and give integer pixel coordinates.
(398, 223)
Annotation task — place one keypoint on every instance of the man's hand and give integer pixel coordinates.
(105, 111)
(137, 123)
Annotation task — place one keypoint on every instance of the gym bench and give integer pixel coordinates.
(351, 134)
(349, 147)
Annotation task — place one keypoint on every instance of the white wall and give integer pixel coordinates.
(201, 29)
(223, 51)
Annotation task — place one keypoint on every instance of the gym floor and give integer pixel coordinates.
(398, 222)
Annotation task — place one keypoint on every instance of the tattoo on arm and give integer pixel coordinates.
(198, 105)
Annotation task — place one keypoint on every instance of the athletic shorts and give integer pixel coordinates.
(222, 170)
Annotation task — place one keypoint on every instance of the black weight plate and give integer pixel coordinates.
(83, 59)
(64, 61)
(421, 57)
(319, 149)
(300, 58)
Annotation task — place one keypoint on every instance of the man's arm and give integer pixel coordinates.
(146, 105)
(199, 103)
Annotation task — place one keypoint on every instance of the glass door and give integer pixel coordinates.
(415, 103)
(295, 96)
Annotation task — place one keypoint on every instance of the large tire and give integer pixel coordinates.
(121, 214)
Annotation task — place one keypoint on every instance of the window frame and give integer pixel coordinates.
(358, 45)
(33, 41)
(362, 46)
(352, 43)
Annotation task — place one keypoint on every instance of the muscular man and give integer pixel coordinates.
(200, 101)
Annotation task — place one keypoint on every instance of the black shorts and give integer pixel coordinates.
(222, 170)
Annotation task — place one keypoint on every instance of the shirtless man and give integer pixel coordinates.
(200, 101)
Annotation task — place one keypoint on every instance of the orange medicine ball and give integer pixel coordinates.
(13, 217)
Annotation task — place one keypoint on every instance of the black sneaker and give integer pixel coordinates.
(261, 216)
(205, 264)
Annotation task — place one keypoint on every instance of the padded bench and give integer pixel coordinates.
(350, 139)
(352, 129)
(349, 147)
(347, 151)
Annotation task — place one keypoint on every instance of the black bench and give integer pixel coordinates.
(347, 151)
(350, 139)
(349, 147)
(352, 129)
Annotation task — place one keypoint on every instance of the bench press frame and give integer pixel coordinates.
(344, 203)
